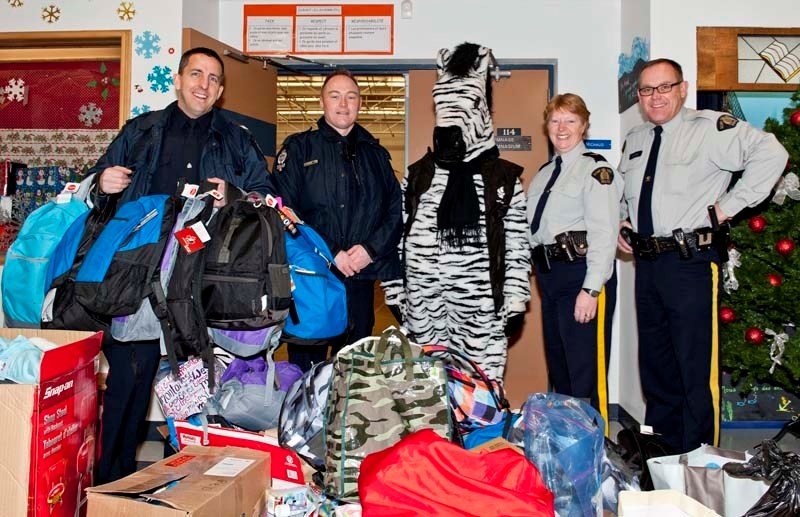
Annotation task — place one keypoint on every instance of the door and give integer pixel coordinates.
(251, 91)
(518, 103)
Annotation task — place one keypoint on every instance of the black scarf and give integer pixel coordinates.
(458, 217)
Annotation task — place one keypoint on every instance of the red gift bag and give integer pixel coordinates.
(424, 474)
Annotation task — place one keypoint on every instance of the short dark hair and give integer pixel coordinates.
(664, 61)
(340, 71)
(204, 51)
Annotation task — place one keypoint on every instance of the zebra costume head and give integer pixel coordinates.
(462, 99)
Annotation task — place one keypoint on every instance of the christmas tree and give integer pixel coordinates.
(761, 300)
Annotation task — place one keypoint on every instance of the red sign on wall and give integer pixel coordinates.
(280, 29)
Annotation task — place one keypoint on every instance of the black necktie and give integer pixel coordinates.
(645, 219)
(537, 214)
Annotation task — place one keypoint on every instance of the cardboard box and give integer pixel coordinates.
(286, 465)
(49, 431)
(196, 482)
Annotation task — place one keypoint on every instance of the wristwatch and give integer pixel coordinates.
(591, 292)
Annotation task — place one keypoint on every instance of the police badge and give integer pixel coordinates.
(726, 122)
(603, 175)
(280, 163)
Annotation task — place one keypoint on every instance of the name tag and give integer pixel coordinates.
(635, 155)
(310, 163)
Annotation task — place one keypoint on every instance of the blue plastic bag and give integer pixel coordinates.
(564, 439)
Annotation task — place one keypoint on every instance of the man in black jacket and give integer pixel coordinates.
(340, 181)
(188, 139)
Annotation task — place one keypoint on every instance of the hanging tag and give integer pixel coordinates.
(216, 194)
(193, 238)
(190, 190)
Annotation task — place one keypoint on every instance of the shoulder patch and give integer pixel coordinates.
(603, 175)
(544, 165)
(280, 161)
(726, 122)
(596, 156)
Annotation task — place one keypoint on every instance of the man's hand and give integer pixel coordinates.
(219, 203)
(114, 180)
(359, 258)
(345, 263)
(585, 307)
(622, 244)
(721, 217)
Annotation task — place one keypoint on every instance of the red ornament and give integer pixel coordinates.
(795, 118)
(727, 315)
(774, 280)
(785, 247)
(754, 336)
(757, 224)
(788, 166)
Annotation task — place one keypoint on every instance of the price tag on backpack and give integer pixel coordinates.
(193, 238)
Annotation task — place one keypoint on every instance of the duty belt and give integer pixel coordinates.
(569, 247)
(685, 243)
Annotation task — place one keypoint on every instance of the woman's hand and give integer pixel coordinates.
(585, 307)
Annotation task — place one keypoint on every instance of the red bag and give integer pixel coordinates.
(424, 474)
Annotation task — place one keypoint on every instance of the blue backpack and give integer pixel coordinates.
(319, 310)
(124, 260)
(25, 272)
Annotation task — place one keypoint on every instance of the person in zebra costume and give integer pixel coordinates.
(465, 250)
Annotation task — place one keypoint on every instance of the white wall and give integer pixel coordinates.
(161, 17)
(674, 25)
(202, 15)
(634, 22)
(583, 35)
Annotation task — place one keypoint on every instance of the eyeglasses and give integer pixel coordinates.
(647, 91)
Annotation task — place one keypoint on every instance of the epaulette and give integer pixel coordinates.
(721, 120)
(597, 156)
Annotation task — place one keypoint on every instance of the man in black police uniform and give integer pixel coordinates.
(677, 169)
(340, 181)
(188, 139)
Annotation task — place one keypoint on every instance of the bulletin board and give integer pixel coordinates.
(280, 29)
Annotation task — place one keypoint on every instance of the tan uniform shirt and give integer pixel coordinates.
(699, 150)
(586, 196)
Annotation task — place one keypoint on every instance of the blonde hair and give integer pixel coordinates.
(567, 102)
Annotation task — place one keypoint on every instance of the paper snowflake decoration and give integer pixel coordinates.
(147, 44)
(15, 3)
(90, 114)
(125, 11)
(16, 90)
(160, 79)
(139, 110)
(51, 13)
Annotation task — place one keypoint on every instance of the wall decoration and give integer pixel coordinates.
(56, 95)
(160, 79)
(76, 148)
(628, 72)
(51, 13)
(125, 11)
(15, 3)
(766, 59)
(147, 44)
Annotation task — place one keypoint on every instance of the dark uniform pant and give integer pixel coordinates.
(132, 368)
(361, 319)
(676, 308)
(577, 353)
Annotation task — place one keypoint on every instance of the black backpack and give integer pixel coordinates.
(246, 283)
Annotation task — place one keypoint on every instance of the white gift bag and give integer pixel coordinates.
(663, 503)
(699, 475)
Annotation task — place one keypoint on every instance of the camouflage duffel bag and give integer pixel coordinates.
(382, 390)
